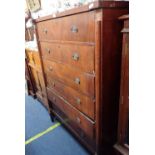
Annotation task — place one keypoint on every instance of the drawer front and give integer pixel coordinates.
(74, 115)
(49, 30)
(76, 79)
(74, 128)
(78, 27)
(83, 103)
(69, 28)
(71, 54)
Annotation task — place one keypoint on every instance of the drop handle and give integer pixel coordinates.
(45, 31)
(74, 29)
(75, 56)
(77, 80)
(48, 50)
(50, 68)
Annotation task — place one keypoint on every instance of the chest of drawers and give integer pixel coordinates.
(80, 51)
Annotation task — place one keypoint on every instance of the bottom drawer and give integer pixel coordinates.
(79, 134)
(78, 121)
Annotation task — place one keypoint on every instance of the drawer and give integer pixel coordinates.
(74, 116)
(79, 27)
(72, 126)
(71, 54)
(83, 103)
(49, 30)
(74, 78)
(70, 28)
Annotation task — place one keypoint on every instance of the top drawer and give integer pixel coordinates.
(69, 28)
(79, 27)
(49, 30)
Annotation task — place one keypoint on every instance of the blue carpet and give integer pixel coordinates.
(57, 142)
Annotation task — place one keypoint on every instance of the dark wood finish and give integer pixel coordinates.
(73, 114)
(93, 31)
(98, 34)
(110, 75)
(82, 102)
(47, 29)
(71, 54)
(122, 145)
(74, 78)
(73, 30)
(77, 132)
(69, 28)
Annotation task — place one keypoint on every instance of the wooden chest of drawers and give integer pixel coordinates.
(81, 53)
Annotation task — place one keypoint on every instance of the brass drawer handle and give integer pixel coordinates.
(45, 31)
(78, 120)
(75, 56)
(78, 101)
(48, 50)
(74, 29)
(50, 68)
(77, 80)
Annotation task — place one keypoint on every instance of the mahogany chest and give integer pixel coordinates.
(80, 52)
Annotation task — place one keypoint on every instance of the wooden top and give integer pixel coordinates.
(85, 8)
